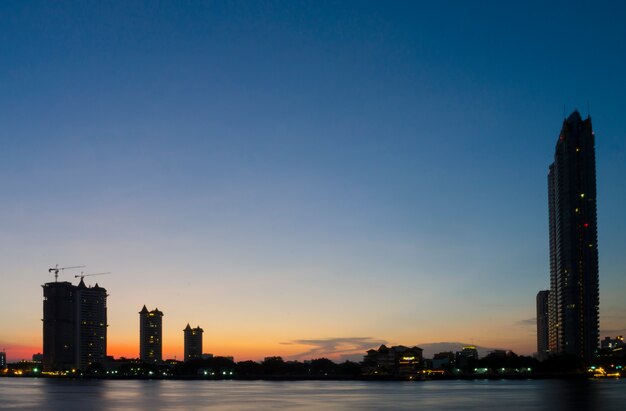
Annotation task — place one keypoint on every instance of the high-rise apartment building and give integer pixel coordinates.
(3, 360)
(193, 342)
(91, 318)
(574, 297)
(74, 325)
(150, 335)
(542, 325)
(59, 326)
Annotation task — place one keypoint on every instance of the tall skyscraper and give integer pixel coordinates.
(91, 317)
(574, 297)
(3, 360)
(193, 342)
(542, 325)
(150, 335)
(74, 325)
(59, 326)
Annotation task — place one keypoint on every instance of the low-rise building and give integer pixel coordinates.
(467, 357)
(612, 343)
(396, 361)
(443, 360)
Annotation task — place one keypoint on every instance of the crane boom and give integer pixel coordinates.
(83, 275)
(56, 270)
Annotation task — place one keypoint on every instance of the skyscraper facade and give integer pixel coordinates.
(74, 325)
(542, 325)
(150, 335)
(574, 297)
(193, 342)
(59, 326)
(91, 318)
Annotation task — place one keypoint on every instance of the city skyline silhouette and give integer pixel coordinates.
(300, 177)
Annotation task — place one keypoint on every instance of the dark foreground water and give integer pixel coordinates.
(553, 395)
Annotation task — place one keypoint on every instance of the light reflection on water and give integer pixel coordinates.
(553, 395)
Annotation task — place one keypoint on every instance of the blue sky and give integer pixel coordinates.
(301, 171)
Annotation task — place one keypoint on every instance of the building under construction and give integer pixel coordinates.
(74, 325)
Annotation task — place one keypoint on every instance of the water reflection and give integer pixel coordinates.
(584, 395)
(553, 395)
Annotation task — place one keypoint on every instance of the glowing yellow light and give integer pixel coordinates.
(582, 195)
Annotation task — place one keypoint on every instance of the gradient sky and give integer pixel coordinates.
(302, 178)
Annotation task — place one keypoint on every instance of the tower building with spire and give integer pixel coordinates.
(193, 342)
(150, 335)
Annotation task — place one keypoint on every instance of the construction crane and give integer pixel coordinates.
(83, 275)
(56, 270)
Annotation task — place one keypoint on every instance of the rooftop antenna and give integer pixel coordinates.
(56, 270)
(588, 109)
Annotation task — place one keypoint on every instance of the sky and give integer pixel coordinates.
(302, 178)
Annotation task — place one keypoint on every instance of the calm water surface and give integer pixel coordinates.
(50, 394)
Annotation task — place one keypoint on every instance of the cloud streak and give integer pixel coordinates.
(526, 322)
(338, 348)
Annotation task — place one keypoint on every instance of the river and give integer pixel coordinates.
(128, 395)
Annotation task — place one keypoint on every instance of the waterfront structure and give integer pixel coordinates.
(467, 357)
(542, 324)
(193, 342)
(612, 343)
(573, 306)
(3, 360)
(397, 361)
(150, 335)
(74, 325)
(443, 360)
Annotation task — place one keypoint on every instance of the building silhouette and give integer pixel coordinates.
(59, 326)
(74, 325)
(150, 335)
(443, 360)
(467, 357)
(91, 318)
(3, 360)
(612, 343)
(397, 361)
(193, 342)
(574, 298)
(542, 324)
